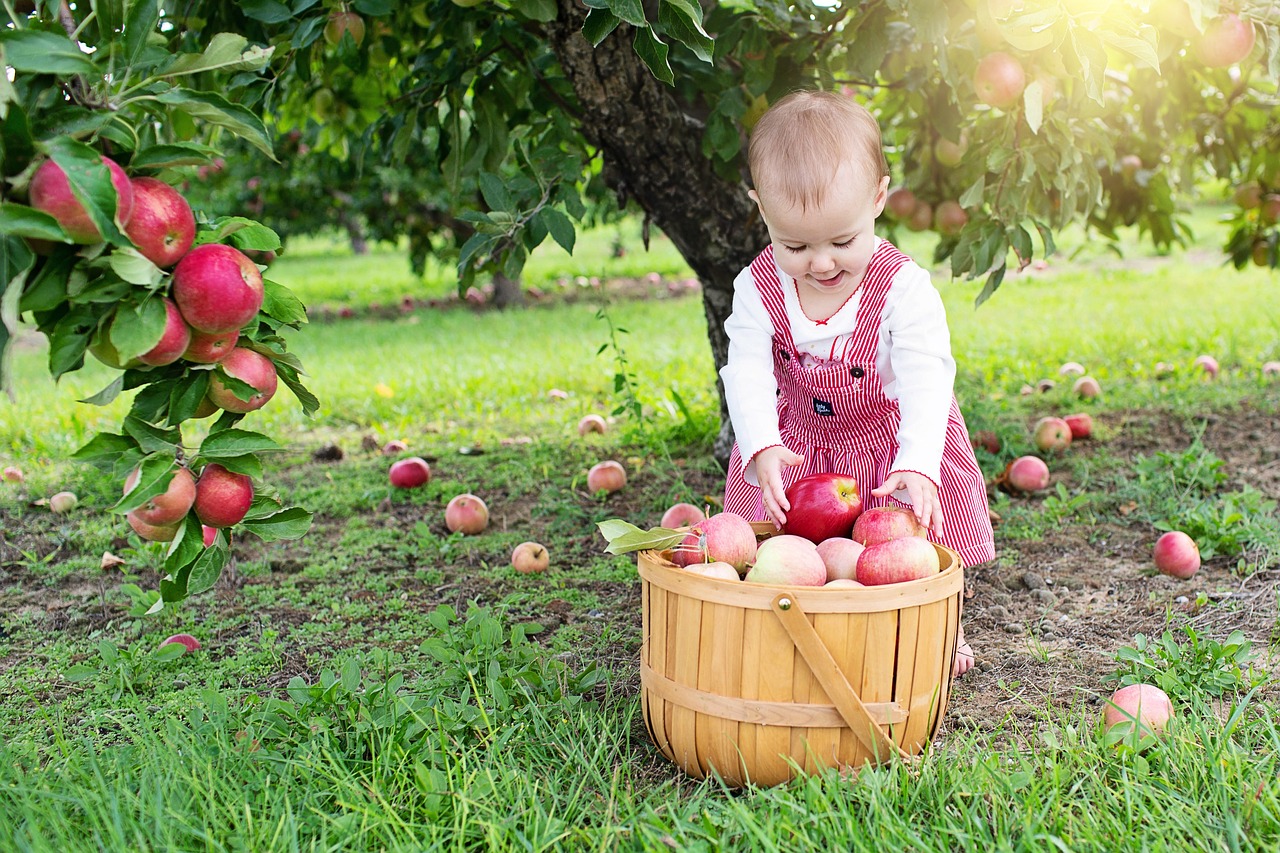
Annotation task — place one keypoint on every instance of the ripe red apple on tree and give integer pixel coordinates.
(788, 559)
(900, 203)
(223, 497)
(170, 506)
(1052, 434)
(162, 225)
(898, 560)
(151, 532)
(1270, 209)
(409, 473)
(1226, 40)
(822, 506)
(949, 219)
(217, 288)
(1177, 555)
(949, 153)
(50, 191)
(999, 80)
(1081, 425)
(1248, 195)
(210, 347)
(466, 514)
(530, 558)
(608, 476)
(681, 515)
(921, 218)
(248, 366)
(882, 523)
(725, 537)
(173, 342)
(342, 22)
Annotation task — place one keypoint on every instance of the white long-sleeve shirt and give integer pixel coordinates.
(913, 360)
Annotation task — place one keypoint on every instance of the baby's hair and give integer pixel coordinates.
(801, 141)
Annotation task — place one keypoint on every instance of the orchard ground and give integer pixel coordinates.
(471, 391)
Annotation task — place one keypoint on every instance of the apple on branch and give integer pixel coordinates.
(50, 191)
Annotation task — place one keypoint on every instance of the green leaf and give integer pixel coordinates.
(495, 193)
(130, 264)
(631, 11)
(289, 523)
(15, 265)
(1033, 103)
(206, 570)
(973, 196)
(186, 546)
(172, 154)
(69, 340)
(155, 473)
(106, 395)
(151, 403)
(220, 112)
(598, 25)
(236, 442)
(543, 11)
(279, 303)
(561, 228)
(90, 182)
(187, 395)
(151, 438)
(42, 52)
(226, 52)
(18, 220)
(49, 288)
(243, 233)
(266, 11)
(682, 20)
(249, 465)
(290, 378)
(625, 537)
(992, 284)
(104, 449)
(135, 331)
(143, 17)
(654, 52)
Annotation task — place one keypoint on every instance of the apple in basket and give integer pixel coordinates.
(882, 523)
(788, 559)
(822, 506)
(721, 570)
(725, 537)
(906, 559)
(840, 555)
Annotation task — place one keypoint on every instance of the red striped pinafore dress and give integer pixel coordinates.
(835, 415)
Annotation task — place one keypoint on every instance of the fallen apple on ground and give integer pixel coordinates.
(986, 440)
(1176, 555)
(466, 514)
(1052, 434)
(724, 537)
(607, 476)
(409, 473)
(882, 523)
(13, 474)
(898, 560)
(1081, 424)
(1142, 705)
(822, 506)
(1208, 364)
(63, 502)
(788, 559)
(391, 448)
(1086, 387)
(1025, 474)
(592, 423)
(1071, 368)
(186, 640)
(681, 515)
(530, 558)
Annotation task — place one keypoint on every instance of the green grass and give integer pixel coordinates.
(458, 733)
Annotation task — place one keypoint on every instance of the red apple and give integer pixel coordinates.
(530, 558)
(186, 640)
(724, 537)
(840, 556)
(681, 515)
(921, 218)
(151, 532)
(247, 366)
(788, 559)
(883, 523)
(898, 560)
(1248, 195)
(13, 474)
(949, 218)
(949, 153)
(394, 446)
(217, 288)
(50, 192)
(842, 583)
(210, 347)
(172, 505)
(1142, 705)
(1226, 40)
(466, 514)
(1071, 368)
(999, 80)
(409, 473)
(900, 203)
(1081, 425)
(822, 506)
(592, 423)
(608, 476)
(1270, 368)
(1087, 387)
(173, 343)
(1208, 364)
(721, 571)
(162, 225)
(63, 502)
(342, 22)
(208, 534)
(1177, 555)
(987, 440)
(1052, 434)
(223, 497)
(1026, 474)
(1270, 209)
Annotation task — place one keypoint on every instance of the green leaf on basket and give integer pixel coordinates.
(625, 537)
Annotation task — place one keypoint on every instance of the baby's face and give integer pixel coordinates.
(827, 247)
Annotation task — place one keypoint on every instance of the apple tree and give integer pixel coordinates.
(102, 105)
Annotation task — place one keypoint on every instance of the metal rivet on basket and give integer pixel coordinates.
(784, 604)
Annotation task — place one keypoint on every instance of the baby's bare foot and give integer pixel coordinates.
(964, 659)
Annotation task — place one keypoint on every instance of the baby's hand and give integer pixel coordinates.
(921, 493)
(769, 465)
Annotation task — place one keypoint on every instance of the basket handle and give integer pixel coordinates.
(832, 679)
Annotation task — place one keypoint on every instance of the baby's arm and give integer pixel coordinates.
(769, 465)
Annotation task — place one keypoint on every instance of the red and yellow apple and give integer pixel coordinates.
(724, 537)
(217, 288)
(466, 514)
(248, 366)
(822, 506)
(223, 497)
(897, 560)
(788, 559)
(170, 506)
(162, 225)
(1177, 555)
(409, 473)
(883, 523)
(530, 558)
(50, 191)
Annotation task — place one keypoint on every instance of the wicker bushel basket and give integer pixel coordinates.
(758, 682)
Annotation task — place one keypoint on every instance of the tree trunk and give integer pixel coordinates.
(652, 147)
(506, 292)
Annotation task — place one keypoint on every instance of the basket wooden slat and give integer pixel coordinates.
(728, 688)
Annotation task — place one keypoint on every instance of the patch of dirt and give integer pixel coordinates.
(1045, 618)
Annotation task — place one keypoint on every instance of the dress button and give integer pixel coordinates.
(786, 356)
(856, 372)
